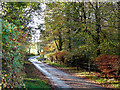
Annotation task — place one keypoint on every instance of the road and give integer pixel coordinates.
(61, 79)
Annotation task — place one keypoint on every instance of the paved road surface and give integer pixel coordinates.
(61, 79)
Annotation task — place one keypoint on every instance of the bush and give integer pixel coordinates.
(51, 57)
(109, 65)
(68, 59)
(13, 51)
(72, 59)
(60, 56)
(77, 60)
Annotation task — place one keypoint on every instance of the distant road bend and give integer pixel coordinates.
(61, 79)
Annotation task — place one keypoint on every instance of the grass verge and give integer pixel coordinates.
(33, 78)
(55, 64)
(92, 77)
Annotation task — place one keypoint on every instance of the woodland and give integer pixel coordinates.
(78, 34)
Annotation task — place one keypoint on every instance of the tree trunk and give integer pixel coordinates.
(60, 43)
(56, 43)
(83, 12)
(118, 3)
(29, 50)
(98, 27)
(69, 44)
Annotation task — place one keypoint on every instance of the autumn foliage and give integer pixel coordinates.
(46, 49)
(109, 65)
(13, 42)
(70, 59)
(50, 48)
(61, 55)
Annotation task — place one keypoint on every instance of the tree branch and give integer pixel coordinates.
(92, 5)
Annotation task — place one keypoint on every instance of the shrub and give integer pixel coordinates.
(60, 56)
(51, 57)
(109, 65)
(42, 54)
(68, 59)
(77, 60)
(13, 51)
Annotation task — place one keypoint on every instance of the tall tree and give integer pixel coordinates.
(84, 26)
(55, 25)
(98, 26)
(118, 3)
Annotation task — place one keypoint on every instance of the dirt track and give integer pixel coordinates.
(61, 79)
